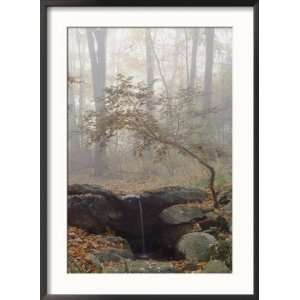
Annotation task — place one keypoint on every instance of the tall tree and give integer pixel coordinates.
(195, 42)
(186, 38)
(74, 141)
(209, 53)
(158, 64)
(149, 58)
(97, 50)
(149, 64)
(81, 79)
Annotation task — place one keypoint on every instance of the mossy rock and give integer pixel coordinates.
(216, 266)
(222, 251)
(181, 214)
(139, 266)
(112, 254)
(195, 246)
(172, 234)
(150, 266)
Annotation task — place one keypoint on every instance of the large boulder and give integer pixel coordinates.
(195, 246)
(181, 214)
(93, 211)
(170, 235)
(178, 220)
(79, 189)
(216, 266)
(168, 196)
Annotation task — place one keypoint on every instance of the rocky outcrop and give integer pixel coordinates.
(93, 208)
(79, 189)
(168, 214)
(153, 203)
(168, 196)
(175, 227)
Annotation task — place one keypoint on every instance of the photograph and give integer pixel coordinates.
(149, 150)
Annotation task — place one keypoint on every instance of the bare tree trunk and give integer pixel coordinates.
(149, 58)
(164, 81)
(209, 168)
(162, 76)
(74, 142)
(186, 151)
(73, 132)
(81, 83)
(98, 66)
(187, 58)
(209, 32)
(195, 39)
(175, 61)
(149, 65)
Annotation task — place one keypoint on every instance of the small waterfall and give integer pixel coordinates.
(143, 254)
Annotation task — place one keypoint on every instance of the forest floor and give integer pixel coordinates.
(81, 244)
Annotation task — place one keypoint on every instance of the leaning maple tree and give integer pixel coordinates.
(127, 107)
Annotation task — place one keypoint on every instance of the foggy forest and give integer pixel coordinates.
(149, 150)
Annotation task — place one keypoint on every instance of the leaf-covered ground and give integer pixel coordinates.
(82, 244)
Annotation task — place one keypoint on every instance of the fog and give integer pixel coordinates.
(187, 86)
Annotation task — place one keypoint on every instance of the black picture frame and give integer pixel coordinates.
(44, 5)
